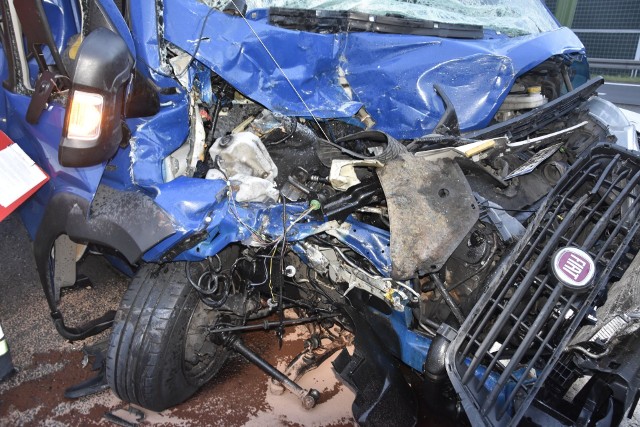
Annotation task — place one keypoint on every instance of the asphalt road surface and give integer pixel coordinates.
(625, 95)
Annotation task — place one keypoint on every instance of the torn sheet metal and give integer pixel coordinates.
(232, 50)
(368, 241)
(145, 32)
(431, 209)
(153, 139)
(184, 160)
(330, 261)
(391, 75)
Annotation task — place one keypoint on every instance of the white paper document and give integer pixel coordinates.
(18, 174)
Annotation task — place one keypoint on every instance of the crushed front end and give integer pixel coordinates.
(448, 207)
(410, 222)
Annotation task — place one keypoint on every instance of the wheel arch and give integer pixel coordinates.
(128, 222)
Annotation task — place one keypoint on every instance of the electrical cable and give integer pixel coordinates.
(392, 150)
(289, 135)
(216, 114)
(587, 353)
(197, 48)
(508, 210)
(195, 52)
(206, 294)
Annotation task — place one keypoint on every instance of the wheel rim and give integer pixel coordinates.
(202, 358)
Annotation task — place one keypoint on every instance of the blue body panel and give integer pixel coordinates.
(41, 142)
(391, 75)
(63, 25)
(119, 23)
(413, 347)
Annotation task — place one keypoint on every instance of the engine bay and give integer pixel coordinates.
(414, 230)
(447, 233)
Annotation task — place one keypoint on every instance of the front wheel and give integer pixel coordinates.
(159, 353)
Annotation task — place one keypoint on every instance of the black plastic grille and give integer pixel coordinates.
(519, 329)
(525, 124)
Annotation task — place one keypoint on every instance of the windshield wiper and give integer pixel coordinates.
(330, 21)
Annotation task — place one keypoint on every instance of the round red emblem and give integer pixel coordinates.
(574, 268)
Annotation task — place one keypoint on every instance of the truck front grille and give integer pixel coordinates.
(519, 329)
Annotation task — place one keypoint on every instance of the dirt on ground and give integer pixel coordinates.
(239, 396)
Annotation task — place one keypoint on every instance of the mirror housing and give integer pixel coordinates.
(92, 128)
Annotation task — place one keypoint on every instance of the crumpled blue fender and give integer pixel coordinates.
(232, 50)
(154, 138)
(144, 31)
(394, 75)
(391, 75)
(200, 205)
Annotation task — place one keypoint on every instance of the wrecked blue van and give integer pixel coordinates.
(433, 187)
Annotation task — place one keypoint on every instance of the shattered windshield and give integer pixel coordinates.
(512, 17)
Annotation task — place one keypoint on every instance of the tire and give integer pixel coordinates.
(159, 354)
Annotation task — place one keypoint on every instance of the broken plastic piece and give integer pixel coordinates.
(247, 188)
(243, 154)
(470, 150)
(343, 174)
(475, 148)
(184, 160)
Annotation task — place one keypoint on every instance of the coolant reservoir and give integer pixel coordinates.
(532, 99)
(517, 102)
(243, 154)
(243, 160)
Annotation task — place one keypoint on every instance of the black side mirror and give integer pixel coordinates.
(93, 122)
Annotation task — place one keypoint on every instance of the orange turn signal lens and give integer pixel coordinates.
(85, 116)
